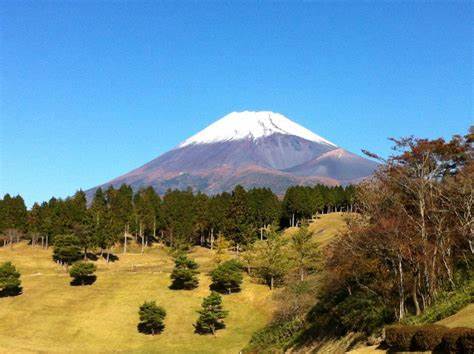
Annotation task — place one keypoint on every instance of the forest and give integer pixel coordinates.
(179, 219)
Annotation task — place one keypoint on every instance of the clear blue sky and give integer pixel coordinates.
(91, 90)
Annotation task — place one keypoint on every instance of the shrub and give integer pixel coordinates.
(277, 335)
(451, 343)
(151, 318)
(83, 273)
(466, 341)
(400, 337)
(227, 277)
(428, 337)
(10, 283)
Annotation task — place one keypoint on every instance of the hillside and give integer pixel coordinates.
(325, 227)
(52, 316)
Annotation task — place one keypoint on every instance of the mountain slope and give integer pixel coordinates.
(339, 164)
(254, 149)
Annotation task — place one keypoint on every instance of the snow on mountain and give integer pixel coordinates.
(251, 125)
(252, 149)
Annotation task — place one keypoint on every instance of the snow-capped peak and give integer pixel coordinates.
(251, 125)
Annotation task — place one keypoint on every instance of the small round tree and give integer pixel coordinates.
(66, 249)
(82, 273)
(211, 315)
(10, 283)
(151, 318)
(184, 275)
(227, 277)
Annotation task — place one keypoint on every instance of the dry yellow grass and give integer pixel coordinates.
(463, 318)
(52, 316)
(325, 227)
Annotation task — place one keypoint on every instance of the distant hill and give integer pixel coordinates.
(253, 149)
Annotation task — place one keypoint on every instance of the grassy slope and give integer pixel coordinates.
(325, 227)
(464, 318)
(52, 316)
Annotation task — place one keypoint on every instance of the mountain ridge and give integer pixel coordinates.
(253, 149)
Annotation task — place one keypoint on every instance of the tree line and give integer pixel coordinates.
(179, 219)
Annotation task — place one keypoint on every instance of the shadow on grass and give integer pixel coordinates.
(92, 256)
(205, 330)
(180, 285)
(224, 291)
(11, 292)
(89, 280)
(147, 328)
(112, 257)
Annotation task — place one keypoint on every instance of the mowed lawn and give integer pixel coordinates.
(53, 316)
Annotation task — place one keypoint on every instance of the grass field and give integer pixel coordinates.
(325, 227)
(52, 316)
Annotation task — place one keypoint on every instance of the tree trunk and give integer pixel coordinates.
(125, 240)
(47, 240)
(414, 295)
(271, 282)
(143, 238)
(108, 255)
(212, 238)
(85, 253)
(401, 292)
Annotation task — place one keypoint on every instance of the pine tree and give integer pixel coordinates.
(66, 249)
(83, 273)
(211, 315)
(184, 275)
(227, 277)
(151, 318)
(10, 283)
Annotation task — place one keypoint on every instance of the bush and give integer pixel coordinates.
(466, 341)
(227, 277)
(277, 335)
(10, 283)
(83, 273)
(451, 343)
(400, 337)
(428, 337)
(151, 318)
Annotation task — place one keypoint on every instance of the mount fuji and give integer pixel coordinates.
(253, 149)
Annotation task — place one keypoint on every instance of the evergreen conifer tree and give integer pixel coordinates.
(211, 315)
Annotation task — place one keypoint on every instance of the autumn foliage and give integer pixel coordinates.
(413, 237)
